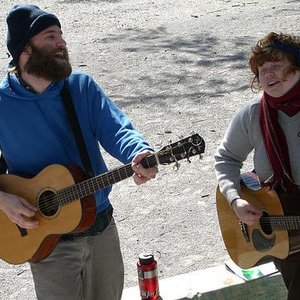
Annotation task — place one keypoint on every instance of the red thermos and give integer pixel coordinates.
(148, 278)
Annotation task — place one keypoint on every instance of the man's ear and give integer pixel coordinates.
(27, 50)
(25, 55)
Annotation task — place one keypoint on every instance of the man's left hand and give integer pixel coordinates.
(142, 174)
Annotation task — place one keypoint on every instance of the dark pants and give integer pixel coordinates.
(290, 267)
(290, 270)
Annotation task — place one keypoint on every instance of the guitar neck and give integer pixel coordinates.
(171, 153)
(92, 185)
(281, 223)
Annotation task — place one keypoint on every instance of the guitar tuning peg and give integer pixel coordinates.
(188, 155)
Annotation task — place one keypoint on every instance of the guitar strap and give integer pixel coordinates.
(3, 165)
(66, 95)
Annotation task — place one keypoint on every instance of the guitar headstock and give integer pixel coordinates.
(184, 148)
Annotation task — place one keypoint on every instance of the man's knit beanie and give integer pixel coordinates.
(24, 22)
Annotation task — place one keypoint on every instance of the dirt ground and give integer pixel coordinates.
(176, 68)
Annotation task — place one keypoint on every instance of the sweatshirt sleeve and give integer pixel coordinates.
(114, 130)
(231, 154)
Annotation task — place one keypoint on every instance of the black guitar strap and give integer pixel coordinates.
(3, 165)
(66, 95)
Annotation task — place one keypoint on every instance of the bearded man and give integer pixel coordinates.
(35, 132)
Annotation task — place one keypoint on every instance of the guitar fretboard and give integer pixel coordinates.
(92, 185)
(184, 148)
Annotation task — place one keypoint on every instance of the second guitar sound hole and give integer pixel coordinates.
(48, 203)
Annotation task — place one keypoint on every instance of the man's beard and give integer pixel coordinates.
(43, 64)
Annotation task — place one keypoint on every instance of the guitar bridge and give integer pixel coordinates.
(23, 231)
(244, 229)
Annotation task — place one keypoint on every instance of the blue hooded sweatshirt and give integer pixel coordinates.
(35, 131)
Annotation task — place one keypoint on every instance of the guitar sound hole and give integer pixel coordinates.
(48, 203)
(265, 224)
(263, 242)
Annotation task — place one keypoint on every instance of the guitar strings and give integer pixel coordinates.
(279, 222)
(89, 186)
(82, 189)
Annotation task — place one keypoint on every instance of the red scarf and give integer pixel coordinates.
(273, 135)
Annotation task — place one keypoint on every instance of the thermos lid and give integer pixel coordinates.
(146, 258)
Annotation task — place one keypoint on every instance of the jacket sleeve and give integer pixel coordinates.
(113, 128)
(232, 153)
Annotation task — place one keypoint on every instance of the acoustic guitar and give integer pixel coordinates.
(65, 201)
(277, 233)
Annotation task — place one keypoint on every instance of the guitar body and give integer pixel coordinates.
(249, 245)
(18, 245)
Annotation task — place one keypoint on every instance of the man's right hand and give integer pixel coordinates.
(246, 212)
(18, 210)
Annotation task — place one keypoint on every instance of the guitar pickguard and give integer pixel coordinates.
(260, 242)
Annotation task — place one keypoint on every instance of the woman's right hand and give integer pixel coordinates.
(246, 212)
(18, 210)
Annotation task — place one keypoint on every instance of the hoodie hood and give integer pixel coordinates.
(12, 87)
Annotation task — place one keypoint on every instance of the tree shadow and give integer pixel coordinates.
(87, 1)
(203, 63)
